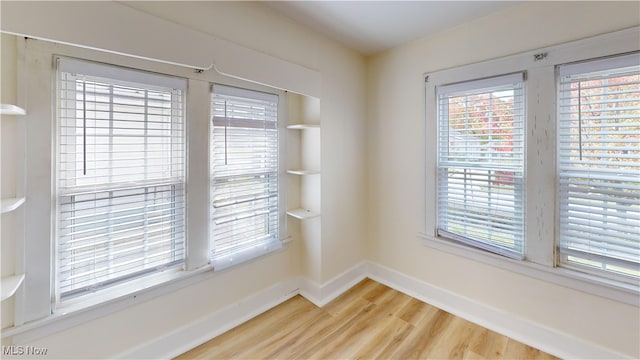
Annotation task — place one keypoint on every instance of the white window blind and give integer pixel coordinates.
(121, 183)
(599, 166)
(481, 163)
(244, 167)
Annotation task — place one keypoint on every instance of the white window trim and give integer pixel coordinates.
(120, 298)
(618, 291)
(34, 314)
(541, 227)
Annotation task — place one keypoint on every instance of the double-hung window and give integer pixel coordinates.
(481, 163)
(123, 203)
(244, 175)
(599, 166)
(541, 164)
(120, 177)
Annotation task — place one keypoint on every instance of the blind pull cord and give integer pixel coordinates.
(84, 128)
(226, 124)
(580, 119)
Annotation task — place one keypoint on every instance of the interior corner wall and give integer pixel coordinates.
(395, 148)
(259, 28)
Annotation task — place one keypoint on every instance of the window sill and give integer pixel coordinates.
(81, 310)
(618, 291)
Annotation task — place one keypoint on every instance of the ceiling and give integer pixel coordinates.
(370, 27)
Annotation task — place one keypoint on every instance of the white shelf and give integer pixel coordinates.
(8, 109)
(302, 214)
(10, 284)
(303, 126)
(10, 204)
(302, 172)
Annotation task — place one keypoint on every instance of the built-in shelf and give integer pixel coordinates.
(302, 172)
(302, 214)
(10, 204)
(10, 284)
(303, 126)
(8, 109)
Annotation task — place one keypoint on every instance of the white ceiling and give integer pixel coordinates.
(373, 26)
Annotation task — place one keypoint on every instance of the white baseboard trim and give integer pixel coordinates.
(523, 330)
(198, 332)
(541, 337)
(320, 295)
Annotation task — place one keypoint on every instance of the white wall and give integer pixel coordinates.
(256, 27)
(395, 135)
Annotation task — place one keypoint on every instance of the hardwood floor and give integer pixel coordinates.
(370, 321)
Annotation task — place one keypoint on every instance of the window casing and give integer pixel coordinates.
(481, 163)
(599, 166)
(244, 164)
(121, 176)
(542, 256)
(39, 297)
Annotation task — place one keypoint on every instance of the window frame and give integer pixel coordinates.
(255, 249)
(114, 75)
(36, 305)
(584, 67)
(475, 85)
(541, 224)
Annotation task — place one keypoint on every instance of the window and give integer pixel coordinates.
(244, 168)
(540, 165)
(481, 163)
(599, 166)
(120, 210)
(121, 177)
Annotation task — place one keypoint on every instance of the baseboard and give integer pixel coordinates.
(191, 335)
(546, 339)
(525, 331)
(320, 295)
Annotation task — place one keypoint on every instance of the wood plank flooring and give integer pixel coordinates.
(370, 321)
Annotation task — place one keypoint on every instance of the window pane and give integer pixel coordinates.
(599, 169)
(120, 178)
(108, 237)
(481, 164)
(244, 164)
